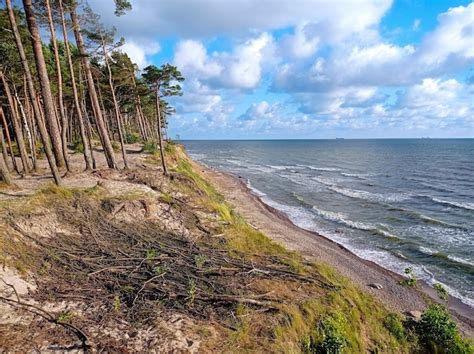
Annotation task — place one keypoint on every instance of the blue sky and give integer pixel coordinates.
(258, 69)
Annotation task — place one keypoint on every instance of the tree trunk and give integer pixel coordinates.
(28, 132)
(16, 125)
(77, 105)
(116, 107)
(62, 112)
(48, 105)
(4, 173)
(32, 94)
(4, 146)
(160, 140)
(9, 141)
(105, 140)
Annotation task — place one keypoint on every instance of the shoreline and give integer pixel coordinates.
(277, 225)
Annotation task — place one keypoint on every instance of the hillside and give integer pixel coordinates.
(130, 260)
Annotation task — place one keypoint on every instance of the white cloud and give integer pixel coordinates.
(240, 69)
(138, 52)
(261, 110)
(201, 18)
(301, 44)
(446, 50)
(191, 57)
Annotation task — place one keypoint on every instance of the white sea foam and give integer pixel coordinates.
(453, 292)
(303, 218)
(326, 169)
(363, 177)
(467, 206)
(254, 190)
(324, 180)
(374, 197)
(341, 218)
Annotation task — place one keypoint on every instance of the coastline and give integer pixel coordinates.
(276, 225)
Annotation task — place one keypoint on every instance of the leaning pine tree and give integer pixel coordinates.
(163, 82)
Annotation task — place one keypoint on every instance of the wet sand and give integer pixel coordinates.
(278, 227)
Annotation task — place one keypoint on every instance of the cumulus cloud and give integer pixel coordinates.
(446, 50)
(261, 110)
(202, 18)
(240, 69)
(138, 51)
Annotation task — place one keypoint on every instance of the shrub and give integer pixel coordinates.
(411, 280)
(441, 290)
(438, 332)
(132, 138)
(78, 146)
(328, 337)
(150, 147)
(115, 146)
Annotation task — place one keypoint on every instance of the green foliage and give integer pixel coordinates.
(151, 147)
(329, 336)
(151, 253)
(65, 316)
(441, 291)
(192, 290)
(132, 138)
(394, 325)
(410, 281)
(200, 260)
(117, 303)
(78, 146)
(115, 146)
(438, 332)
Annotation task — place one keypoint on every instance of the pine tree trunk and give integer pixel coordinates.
(77, 105)
(105, 139)
(9, 141)
(16, 125)
(4, 173)
(32, 94)
(62, 112)
(4, 146)
(160, 140)
(48, 105)
(116, 107)
(28, 132)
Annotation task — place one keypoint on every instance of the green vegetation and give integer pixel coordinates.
(410, 281)
(132, 138)
(394, 324)
(437, 332)
(441, 291)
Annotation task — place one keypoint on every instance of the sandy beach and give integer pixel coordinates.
(320, 249)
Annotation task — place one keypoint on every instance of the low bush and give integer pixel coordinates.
(438, 333)
(132, 138)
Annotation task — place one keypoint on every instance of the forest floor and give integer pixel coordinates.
(130, 260)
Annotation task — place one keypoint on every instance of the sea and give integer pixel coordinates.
(397, 202)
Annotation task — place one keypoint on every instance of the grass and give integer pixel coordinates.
(309, 317)
(324, 320)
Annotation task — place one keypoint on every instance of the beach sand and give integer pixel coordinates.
(320, 249)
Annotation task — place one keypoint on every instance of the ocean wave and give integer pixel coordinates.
(363, 177)
(464, 263)
(341, 218)
(283, 167)
(326, 169)
(373, 197)
(460, 205)
(324, 180)
(254, 190)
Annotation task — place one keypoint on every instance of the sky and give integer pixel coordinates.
(309, 69)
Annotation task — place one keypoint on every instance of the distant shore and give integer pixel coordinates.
(364, 273)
